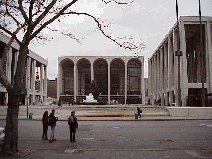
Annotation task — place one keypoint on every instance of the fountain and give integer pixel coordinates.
(90, 100)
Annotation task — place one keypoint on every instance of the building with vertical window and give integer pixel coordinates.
(119, 78)
(163, 65)
(35, 74)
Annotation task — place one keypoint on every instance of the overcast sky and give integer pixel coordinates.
(149, 20)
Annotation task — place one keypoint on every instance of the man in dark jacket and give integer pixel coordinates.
(52, 120)
(73, 124)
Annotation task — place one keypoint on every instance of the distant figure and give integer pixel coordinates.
(73, 124)
(52, 121)
(59, 103)
(128, 101)
(139, 112)
(69, 102)
(45, 125)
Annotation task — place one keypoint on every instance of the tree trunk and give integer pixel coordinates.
(10, 144)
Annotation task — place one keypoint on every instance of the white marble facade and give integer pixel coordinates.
(118, 77)
(35, 64)
(163, 68)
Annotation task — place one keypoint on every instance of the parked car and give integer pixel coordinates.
(1, 133)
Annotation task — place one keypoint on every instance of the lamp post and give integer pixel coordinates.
(178, 53)
(202, 59)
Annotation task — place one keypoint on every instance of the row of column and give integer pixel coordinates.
(30, 82)
(163, 69)
(92, 78)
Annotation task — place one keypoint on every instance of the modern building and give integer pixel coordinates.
(35, 70)
(119, 78)
(163, 65)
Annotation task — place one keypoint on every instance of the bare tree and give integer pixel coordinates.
(23, 21)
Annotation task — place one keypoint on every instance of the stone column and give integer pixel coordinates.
(142, 82)
(161, 70)
(166, 90)
(170, 63)
(149, 79)
(154, 79)
(183, 71)
(161, 90)
(175, 66)
(15, 62)
(8, 64)
(45, 84)
(75, 82)
(28, 78)
(125, 82)
(92, 72)
(33, 81)
(41, 82)
(109, 82)
(59, 81)
(209, 57)
(158, 73)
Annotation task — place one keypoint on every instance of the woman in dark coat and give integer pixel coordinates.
(45, 125)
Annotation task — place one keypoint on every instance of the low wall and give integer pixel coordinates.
(190, 111)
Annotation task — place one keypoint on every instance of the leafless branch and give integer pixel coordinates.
(51, 20)
(106, 2)
(125, 45)
(22, 10)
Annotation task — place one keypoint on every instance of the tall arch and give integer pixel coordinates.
(84, 76)
(134, 80)
(68, 77)
(117, 77)
(101, 75)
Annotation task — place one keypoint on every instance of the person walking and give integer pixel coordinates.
(52, 123)
(139, 112)
(73, 124)
(45, 125)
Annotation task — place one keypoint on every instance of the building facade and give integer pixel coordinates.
(163, 65)
(52, 88)
(119, 78)
(35, 72)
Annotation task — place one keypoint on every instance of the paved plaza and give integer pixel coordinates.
(118, 139)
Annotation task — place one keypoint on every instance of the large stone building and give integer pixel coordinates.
(118, 78)
(35, 70)
(163, 68)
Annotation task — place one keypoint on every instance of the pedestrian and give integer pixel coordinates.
(52, 123)
(59, 103)
(139, 112)
(73, 124)
(45, 125)
(69, 102)
(72, 102)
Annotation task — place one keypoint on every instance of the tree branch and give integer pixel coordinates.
(100, 28)
(106, 2)
(5, 82)
(51, 20)
(22, 10)
(12, 34)
(37, 21)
